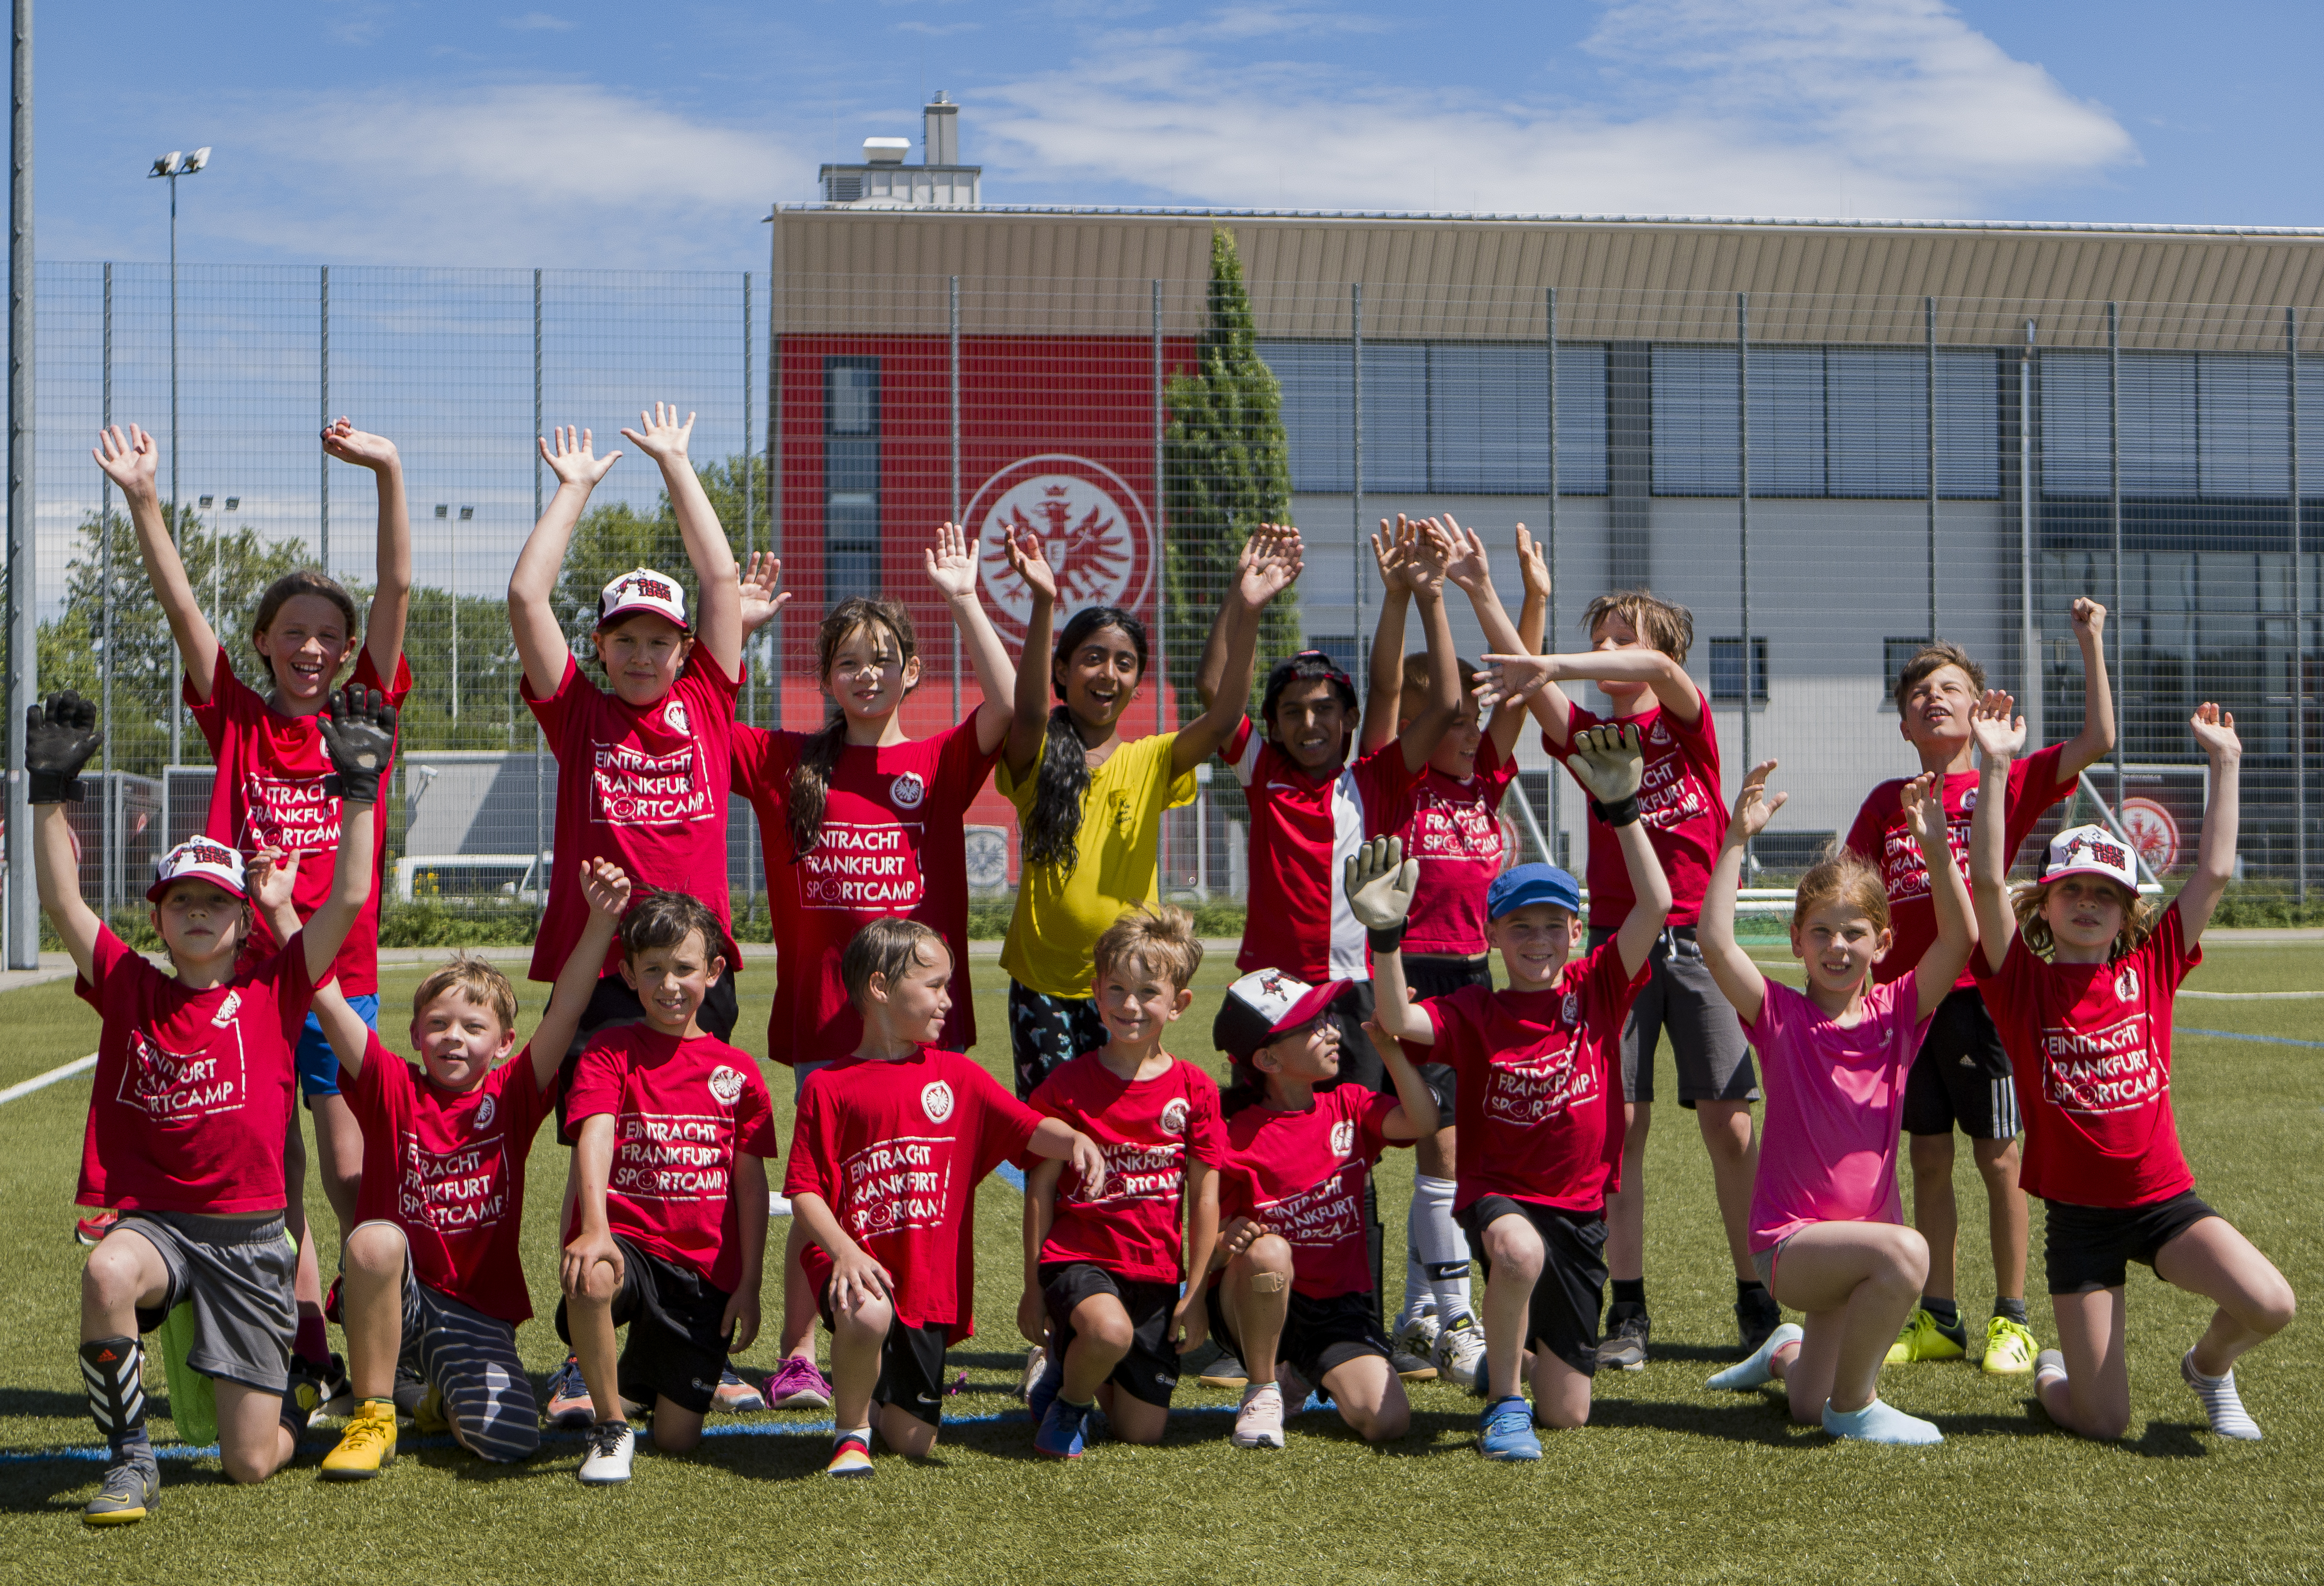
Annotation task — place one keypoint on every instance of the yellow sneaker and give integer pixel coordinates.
(2008, 1348)
(368, 1445)
(429, 1417)
(1923, 1338)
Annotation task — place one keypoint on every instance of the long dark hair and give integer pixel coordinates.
(820, 756)
(1052, 826)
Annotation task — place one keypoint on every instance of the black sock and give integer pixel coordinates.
(1946, 1311)
(113, 1370)
(2014, 1310)
(1745, 1287)
(1630, 1291)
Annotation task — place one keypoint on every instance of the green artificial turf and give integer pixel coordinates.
(1669, 1482)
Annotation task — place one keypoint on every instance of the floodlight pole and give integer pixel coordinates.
(23, 922)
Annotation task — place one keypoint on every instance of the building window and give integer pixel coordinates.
(1339, 647)
(850, 477)
(1727, 671)
(1895, 655)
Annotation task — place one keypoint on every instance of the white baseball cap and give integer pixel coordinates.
(641, 589)
(2090, 851)
(1265, 1003)
(201, 859)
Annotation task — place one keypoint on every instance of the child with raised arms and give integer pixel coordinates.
(1962, 1077)
(858, 822)
(1542, 1146)
(2081, 976)
(1450, 819)
(1106, 1270)
(191, 1102)
(668, 1233)
(1637, 659)
(891, 1143)
(1828, 1233)
(271, 766)
(432, 1272)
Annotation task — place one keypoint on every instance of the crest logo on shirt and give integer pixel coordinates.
(1658, 733)
(486, 1110)
(226, 1011)
(908, 791)
(2126, 984)
(936, 1100)
(725, 1084)
(1969, 799)
(1174, 1116)
(673, 716)
(1569, 1014)
(1343, 1137)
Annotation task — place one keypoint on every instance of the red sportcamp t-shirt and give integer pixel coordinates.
(191, 1097)
(644, 786)
(268, 792)
(1679, 803)
(2089, 1052)
(1455, 829)
(1302, 1174)
(894, 845)
(1301, 832)
(896, 1150)
(1880, 837)
(447, 1169)
(1149, 1131)
(1539, 1103)
(683, 1110)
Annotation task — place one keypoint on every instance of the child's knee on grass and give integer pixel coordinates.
(253, 1442)
(1369, 1397)
(906, 1433)
(1560, 1395)
(675, 1430)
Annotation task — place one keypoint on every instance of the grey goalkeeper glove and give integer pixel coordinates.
(1609, 764)
(1379, 883)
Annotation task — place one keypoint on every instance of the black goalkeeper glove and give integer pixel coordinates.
(358, 728)
(59, 738)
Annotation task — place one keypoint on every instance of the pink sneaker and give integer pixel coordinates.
(797, 1385)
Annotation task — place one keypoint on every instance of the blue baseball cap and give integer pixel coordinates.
(1523, 884)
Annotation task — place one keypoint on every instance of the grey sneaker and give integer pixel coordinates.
(132, 1491)
(1226, 1371)
(1625, 1343)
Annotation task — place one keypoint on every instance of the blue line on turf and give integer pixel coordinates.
(2230, 1035)
(1011, 1177)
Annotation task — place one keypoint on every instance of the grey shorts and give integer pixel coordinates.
(1681, 1000)
(236, 1272)
(1762, 1262)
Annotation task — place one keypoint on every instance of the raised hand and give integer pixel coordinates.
(1512, 680)
(128, 460)
(344, 441)
(1755, 807)
(606, 886)
(1607, 761)
(1999, 735)
(1467, 566)
(572, 460)
(1030, 563)
(272, 875)
(1388, 552)
(2215, 732)
(762, 592)
(59, 738)
(1427, 556)
(1268, 564)
(660, 434)
(1379, 880)
(950, 566)
(358, 729)
(2089, 618)
(1924, 812)
(1533, 563)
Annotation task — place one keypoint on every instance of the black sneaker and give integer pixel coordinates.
(1412, 1368)
(302, 1397)
(1226, 1371)
(411, 1388)
(1625, 1343)
(1757, 1314)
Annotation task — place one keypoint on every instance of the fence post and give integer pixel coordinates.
(112, 861)
(24, 582)
(2029, 653)
(322, 393)
(1929, 318)
(952, 321)
(1549, 633)
(1356, 430)
(1161, 668)
(2114, 525)
(2299, 614)
(539, 738)
(750, 554)
(1743, 525)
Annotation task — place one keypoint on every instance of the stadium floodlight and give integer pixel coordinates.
(197, 158)
(169, 164)
(170, 167)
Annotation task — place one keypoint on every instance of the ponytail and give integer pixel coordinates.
(1052, 826)
(820, 756)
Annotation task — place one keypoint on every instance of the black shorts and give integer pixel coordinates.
(1319, 1336)
(1572, 1289)
(1149, 1371)
(679, 1338)
(1681, 1000)
(2089, 1248)
(613, 1003)
(1046, 1032)
(911, 1366)
(1961, 1076)
(1440, 977)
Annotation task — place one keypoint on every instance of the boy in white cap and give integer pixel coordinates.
(191, 1102)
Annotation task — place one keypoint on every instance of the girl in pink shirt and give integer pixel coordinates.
(1826, 1231)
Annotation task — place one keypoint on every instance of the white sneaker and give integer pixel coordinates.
(1417, 1333)
(1460, 1350)
(1258, 1424)
(1037, 1360)
(1294, 1389)
(611, 1446)
(777, 1205)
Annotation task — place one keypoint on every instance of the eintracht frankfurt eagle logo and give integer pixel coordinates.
(1093, 528)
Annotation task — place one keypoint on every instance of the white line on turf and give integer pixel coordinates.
(42, 1081)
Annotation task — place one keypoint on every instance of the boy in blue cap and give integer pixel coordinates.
(1539, 1105)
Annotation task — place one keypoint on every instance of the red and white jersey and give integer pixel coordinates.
(1679, 803)
(897, 1149)
(683, 1110)
(1455, 829)
(1303, 1175)
(1302, 832)
(2089, 1052)
(1149, 1130)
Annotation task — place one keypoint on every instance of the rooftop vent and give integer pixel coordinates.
(886, 151)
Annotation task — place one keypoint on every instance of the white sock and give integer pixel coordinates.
(2221, 1403)
(1443, 1251)
(1418, 1299)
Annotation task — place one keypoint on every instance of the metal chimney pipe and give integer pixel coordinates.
(940, 123)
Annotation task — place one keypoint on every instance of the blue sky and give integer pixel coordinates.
(580, 134)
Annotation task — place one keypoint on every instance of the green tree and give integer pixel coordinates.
(1226, 468)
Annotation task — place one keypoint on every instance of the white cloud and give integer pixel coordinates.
(538, 21)
(1890, 107)
(517, 174)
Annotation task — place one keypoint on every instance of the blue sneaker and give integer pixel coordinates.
(1043, 1391)
(1504, 1431)
(1061, 1433)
